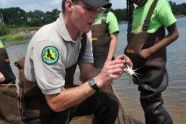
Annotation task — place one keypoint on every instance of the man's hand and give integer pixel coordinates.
(127, 60)
(112, 70)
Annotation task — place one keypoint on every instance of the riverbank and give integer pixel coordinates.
(19, 33)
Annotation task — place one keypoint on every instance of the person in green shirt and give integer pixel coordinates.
(105, 31)
(2, 78)
(6, 73)
(147, 42)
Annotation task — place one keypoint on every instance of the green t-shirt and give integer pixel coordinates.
(111, 20)
(1, 43)
(162, 16)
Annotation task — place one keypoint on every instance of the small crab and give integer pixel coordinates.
(128, 69)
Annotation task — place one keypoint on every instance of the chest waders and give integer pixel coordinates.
(100, 42)
(32, 103)
(152, 79)
(5, 68)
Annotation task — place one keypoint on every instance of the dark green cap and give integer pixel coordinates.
(97, 3)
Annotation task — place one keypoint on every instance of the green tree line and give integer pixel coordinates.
(179, 9)
(16, 16)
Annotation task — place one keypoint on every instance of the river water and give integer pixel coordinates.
(175, 94)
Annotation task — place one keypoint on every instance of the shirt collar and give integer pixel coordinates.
(62, 29)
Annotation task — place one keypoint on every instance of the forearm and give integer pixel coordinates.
(162, 44)
(69, 97)
(171, 37)
(74, 96)
(112, 47)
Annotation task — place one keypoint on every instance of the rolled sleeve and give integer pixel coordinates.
(165, 14)
(49, 77)
(112, 23)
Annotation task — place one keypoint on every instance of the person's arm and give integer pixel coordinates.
(171, 37)
(69, 97)
(2, 78)
(113, 28)
(167, 19)
(73, 96)
(112, 47)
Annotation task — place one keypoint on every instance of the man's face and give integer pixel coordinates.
(83, 16)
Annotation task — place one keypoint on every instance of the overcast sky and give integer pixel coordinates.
(48, 5)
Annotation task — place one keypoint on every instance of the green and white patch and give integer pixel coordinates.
(50, 55)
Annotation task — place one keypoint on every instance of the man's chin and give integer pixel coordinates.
(86, 30)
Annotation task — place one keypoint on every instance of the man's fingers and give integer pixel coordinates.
(120, 57)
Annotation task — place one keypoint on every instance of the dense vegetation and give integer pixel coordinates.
(16, 17)
(178, 9)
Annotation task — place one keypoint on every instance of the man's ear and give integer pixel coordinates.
(68, 5)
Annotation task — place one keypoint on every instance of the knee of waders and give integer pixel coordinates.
(106, 104)
(107, 109)
(149, 100)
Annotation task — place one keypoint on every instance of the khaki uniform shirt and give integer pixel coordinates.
(50, 52)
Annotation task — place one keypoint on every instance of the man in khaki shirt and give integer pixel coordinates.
(52, 53)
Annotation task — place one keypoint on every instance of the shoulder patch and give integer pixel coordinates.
(50, 55)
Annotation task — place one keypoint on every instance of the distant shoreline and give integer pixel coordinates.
(20, 35)
(177, 16)
(180, 16)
